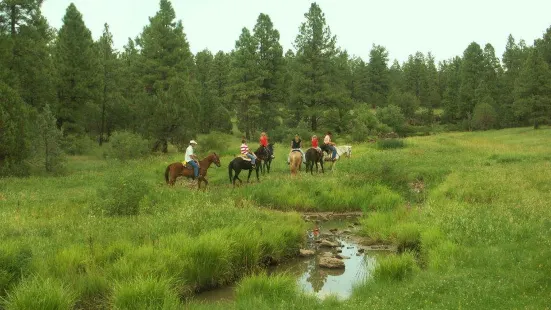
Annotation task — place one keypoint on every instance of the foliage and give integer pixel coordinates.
(121, 195)
(395, 267)
(484, 116)
(38, 293)
(48, 144)
(393, 117)
(145, 293)
(124, 145)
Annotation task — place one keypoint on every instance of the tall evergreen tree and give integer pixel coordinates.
(315, 47)
(415, 76)
(396, 76)
(472, 69)
(361, 85)
(433, 99)
(270, 56)
(378, 75)
(77, 66)
(109, 80)
(450, 97)
(221, 80)
(533, 90)
(165, 65)
(247, 83)
(544, 46)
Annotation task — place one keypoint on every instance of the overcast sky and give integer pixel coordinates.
(442, 27)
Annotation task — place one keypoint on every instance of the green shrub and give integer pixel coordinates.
(392, 116)
(145, 293)
(221, 143)
(124, 145)
(395, 267)
(384, 144)
(77, 145)
(484, 116)
(121, 195)
(37, 293)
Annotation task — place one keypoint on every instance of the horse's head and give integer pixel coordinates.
(215, 159)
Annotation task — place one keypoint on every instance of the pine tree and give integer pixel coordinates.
(110, 82)
(450, 97)
(165, 65)
(533, 90)
(415, 76)
(247, 83)
(315, 47)
(472, 70)
(361, 85)
(396, 76)
(544, 46)
(27, 49)
(78, 75)
(270, 56)
(14, 132)
(378, 76)
(433, 99)
(48, 142)
(220, 80)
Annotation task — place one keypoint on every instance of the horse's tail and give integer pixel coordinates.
(166, 173)
(230, 171)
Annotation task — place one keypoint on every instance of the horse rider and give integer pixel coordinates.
(296, 145)
(245, 151)
(331, 145)
(191, 159)
(315, 143)
(264, 143)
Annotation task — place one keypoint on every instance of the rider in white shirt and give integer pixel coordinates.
(191, 159)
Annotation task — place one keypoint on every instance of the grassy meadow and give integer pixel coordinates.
(469, 212)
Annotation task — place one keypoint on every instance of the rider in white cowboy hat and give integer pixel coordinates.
(191, 159)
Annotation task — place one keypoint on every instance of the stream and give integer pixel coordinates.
(359, 262)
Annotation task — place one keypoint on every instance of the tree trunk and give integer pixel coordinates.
(314, 123)
(13, 18)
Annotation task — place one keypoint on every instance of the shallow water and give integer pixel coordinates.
(313, 279)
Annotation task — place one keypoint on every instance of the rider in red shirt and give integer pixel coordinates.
(314, 141)
(264, 143)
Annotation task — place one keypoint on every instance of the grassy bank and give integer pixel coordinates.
(468, 211)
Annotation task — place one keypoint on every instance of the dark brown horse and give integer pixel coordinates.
(313, 156)
(177, 169)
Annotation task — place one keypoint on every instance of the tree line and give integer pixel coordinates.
(58, 87)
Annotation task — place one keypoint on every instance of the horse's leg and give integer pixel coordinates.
(249, 177)
(257, 178)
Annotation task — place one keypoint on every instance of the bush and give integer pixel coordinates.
(484, 116)
(392, 116)
(145, 293)
(395, 267)
(384, 144)
(218, 142)
(124, 145)
(37, 293)
(121, 195)
(48, 143)
(77, 145)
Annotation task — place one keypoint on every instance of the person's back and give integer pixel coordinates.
(264, 140)
(315, 142)
(244, 149)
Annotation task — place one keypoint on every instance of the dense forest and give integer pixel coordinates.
(59, 87)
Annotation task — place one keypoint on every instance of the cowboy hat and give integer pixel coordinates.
(192, 142)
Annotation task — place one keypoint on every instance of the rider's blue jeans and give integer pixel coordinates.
(252, 157)
(334, 150)
(195, 167)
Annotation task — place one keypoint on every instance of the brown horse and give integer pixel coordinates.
(295, 162)
(177, 169)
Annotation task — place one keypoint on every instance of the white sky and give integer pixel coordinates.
(442, 27)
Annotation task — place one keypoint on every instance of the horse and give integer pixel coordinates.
(177, 169)
(261, 156)
(313, 156)
(344, 150)
(264, 158)
(295, 161)
(238, 164)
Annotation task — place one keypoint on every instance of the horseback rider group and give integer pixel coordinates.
(296, 146)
